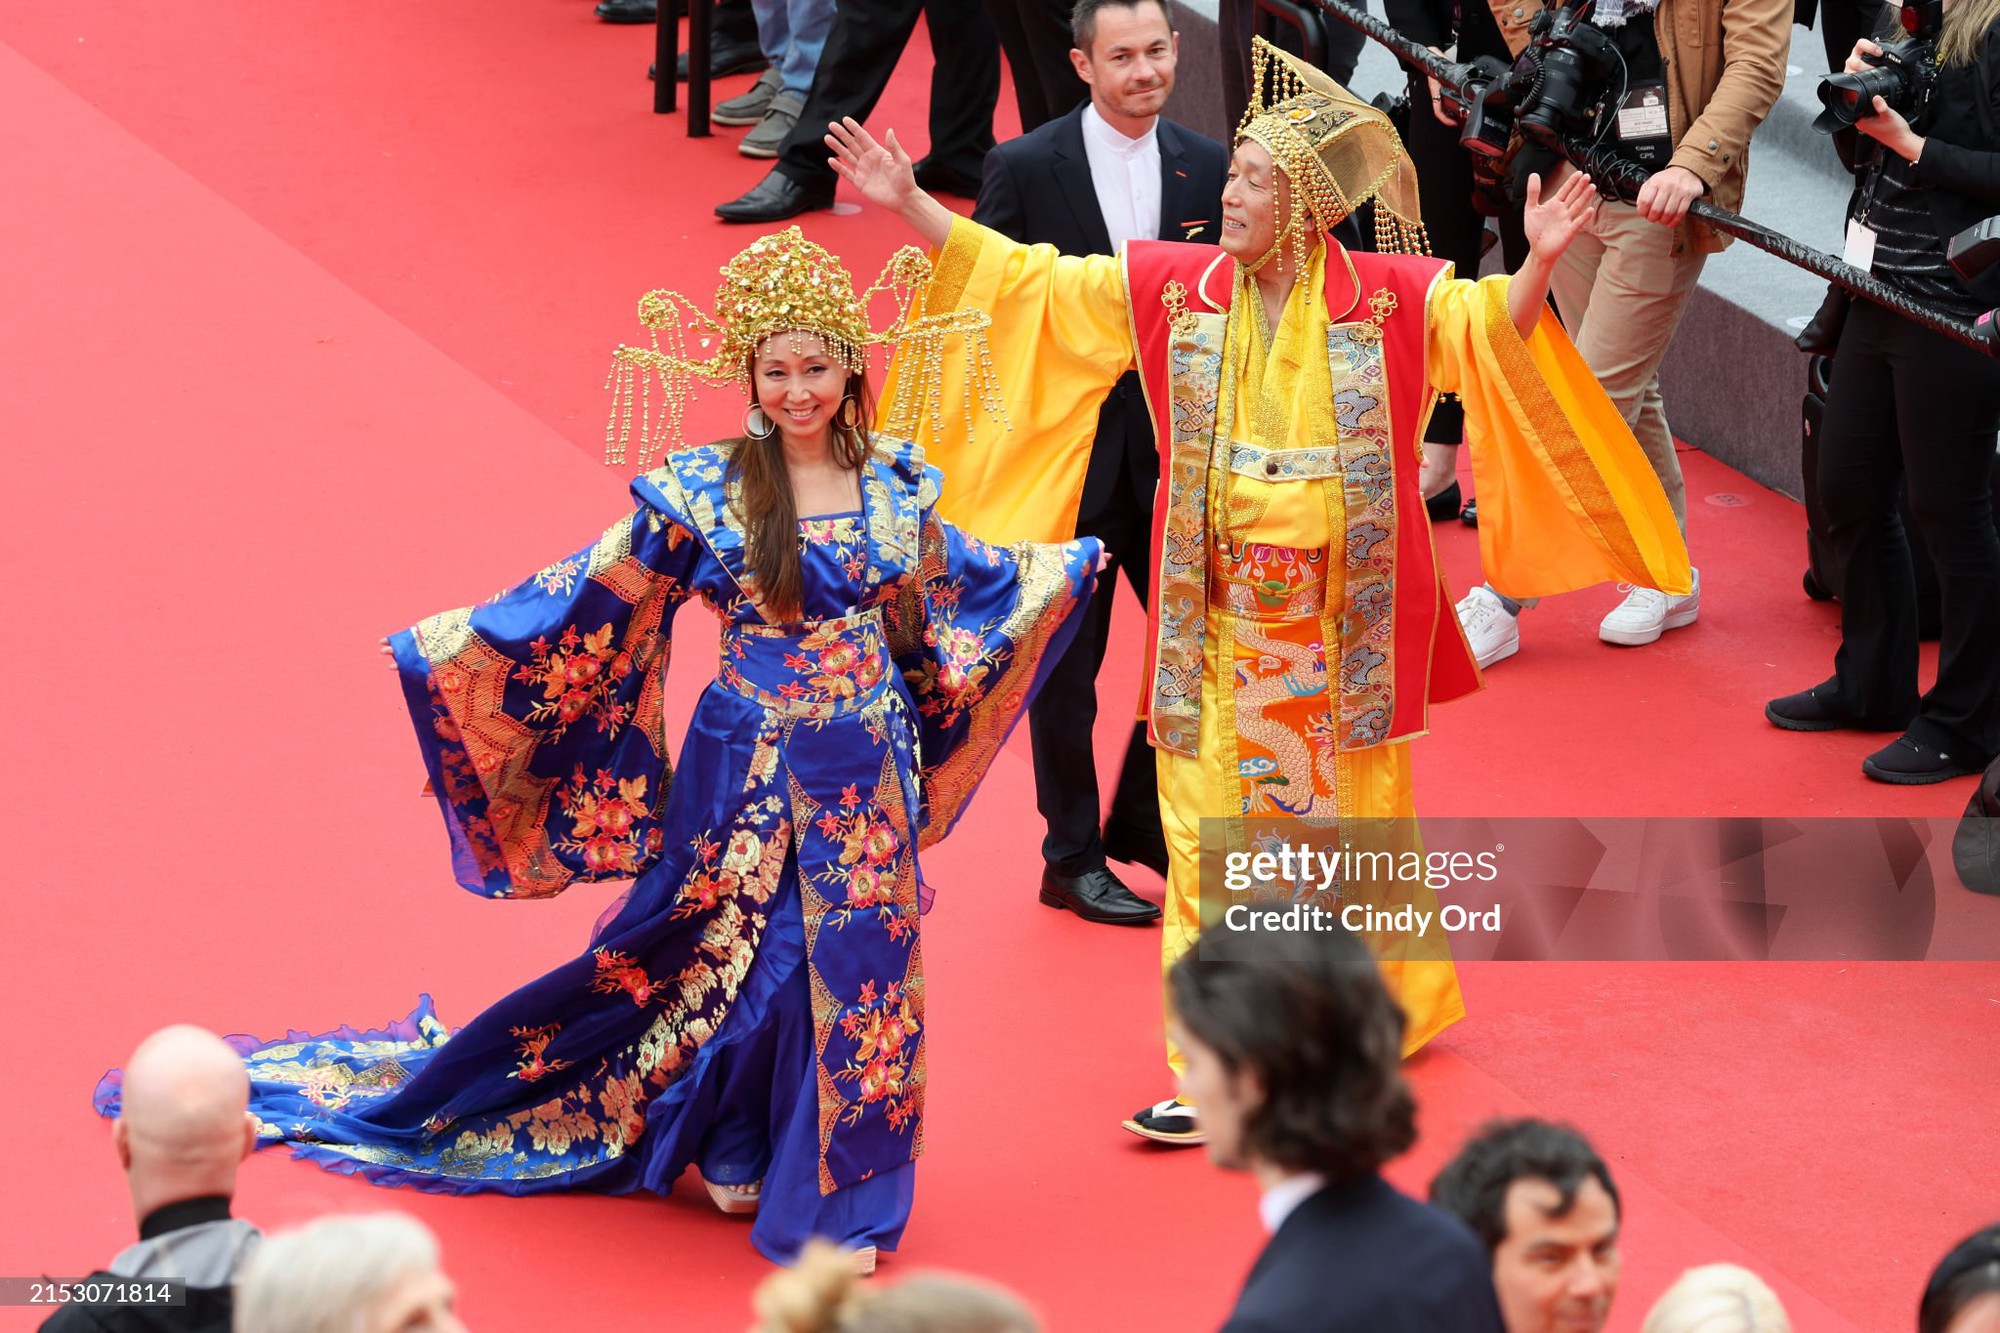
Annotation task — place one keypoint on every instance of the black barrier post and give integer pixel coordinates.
(666, 55)
(701, 26)
(1845, 275)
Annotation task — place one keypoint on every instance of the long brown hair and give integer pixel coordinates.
(1965, 29)
(770, 513)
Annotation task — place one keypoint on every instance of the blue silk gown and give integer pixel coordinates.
(755, 1003)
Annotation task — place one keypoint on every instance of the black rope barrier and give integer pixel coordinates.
(1618, 178)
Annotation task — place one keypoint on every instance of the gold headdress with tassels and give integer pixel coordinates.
(784, 283)
(1337, 151)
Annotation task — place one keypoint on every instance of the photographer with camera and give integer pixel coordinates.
(1697, 77)
(1910, 403)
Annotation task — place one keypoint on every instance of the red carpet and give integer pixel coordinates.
(307, 314)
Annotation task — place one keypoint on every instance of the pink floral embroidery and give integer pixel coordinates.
(579, 675)
(604, 814)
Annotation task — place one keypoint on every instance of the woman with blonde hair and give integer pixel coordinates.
(1912, 410)
(822, 1295)
(1718, 1298)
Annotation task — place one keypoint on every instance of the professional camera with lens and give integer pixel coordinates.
(1555, 97)
(1568, 66)
(1898, 76)
(1477, 101)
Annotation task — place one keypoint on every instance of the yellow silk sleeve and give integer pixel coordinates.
(1061, 336)
(1566, 496)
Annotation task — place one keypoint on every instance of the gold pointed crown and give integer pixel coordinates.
(784, 283)
(1337, 151)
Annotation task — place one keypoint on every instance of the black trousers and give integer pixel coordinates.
(734, 25)
(1844, 22)
(1061, 718)
(1036, 37)
(861, 52)
(1455, 228)
(1910, 403)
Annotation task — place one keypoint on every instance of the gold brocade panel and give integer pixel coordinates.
(1283, 728)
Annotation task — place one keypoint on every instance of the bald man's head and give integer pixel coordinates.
(184, 1122)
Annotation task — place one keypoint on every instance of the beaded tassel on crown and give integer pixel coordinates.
(786, 284)
(1337, 151)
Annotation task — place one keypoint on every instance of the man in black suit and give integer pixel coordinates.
(1294, 1055)
(1111, 171)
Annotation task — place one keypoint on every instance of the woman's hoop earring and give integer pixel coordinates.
(750, 433)
(849, 415)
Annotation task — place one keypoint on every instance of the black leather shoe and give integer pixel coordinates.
(941, 180)
(1443, 507)
(724, 59)
(1909, 763)
(1096, 895)
(1470, 514)
(628, 11)
(774, 199)
(1134, 847)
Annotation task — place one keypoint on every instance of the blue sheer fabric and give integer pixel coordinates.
(753, 1005)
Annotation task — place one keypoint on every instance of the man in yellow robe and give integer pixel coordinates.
(1291, 381)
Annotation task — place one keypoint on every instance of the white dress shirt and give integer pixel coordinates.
(1283, 1198)
(1126, 174)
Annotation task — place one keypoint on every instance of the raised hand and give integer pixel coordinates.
(884, 175)
(1553, 222)
(881, 171)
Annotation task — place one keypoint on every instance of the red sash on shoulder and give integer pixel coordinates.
(1400, 647)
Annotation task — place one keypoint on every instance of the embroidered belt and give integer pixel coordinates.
(812, 669)
(1257, 579)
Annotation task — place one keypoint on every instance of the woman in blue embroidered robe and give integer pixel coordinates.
(754, 1005)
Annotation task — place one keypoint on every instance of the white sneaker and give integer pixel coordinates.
(1493, 630)
(1646, 614)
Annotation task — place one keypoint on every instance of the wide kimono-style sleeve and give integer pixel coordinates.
(1060, 338)
(1566, 496)
(539, 713)
(992, 620)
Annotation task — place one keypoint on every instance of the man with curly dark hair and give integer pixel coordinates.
(1294, 1054)
(1544, 1205)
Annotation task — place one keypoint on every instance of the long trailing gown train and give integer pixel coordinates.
(755, 1003)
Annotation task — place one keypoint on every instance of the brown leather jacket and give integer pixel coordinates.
(1725, 66)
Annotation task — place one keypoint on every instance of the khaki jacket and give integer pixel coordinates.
(1725, 66)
